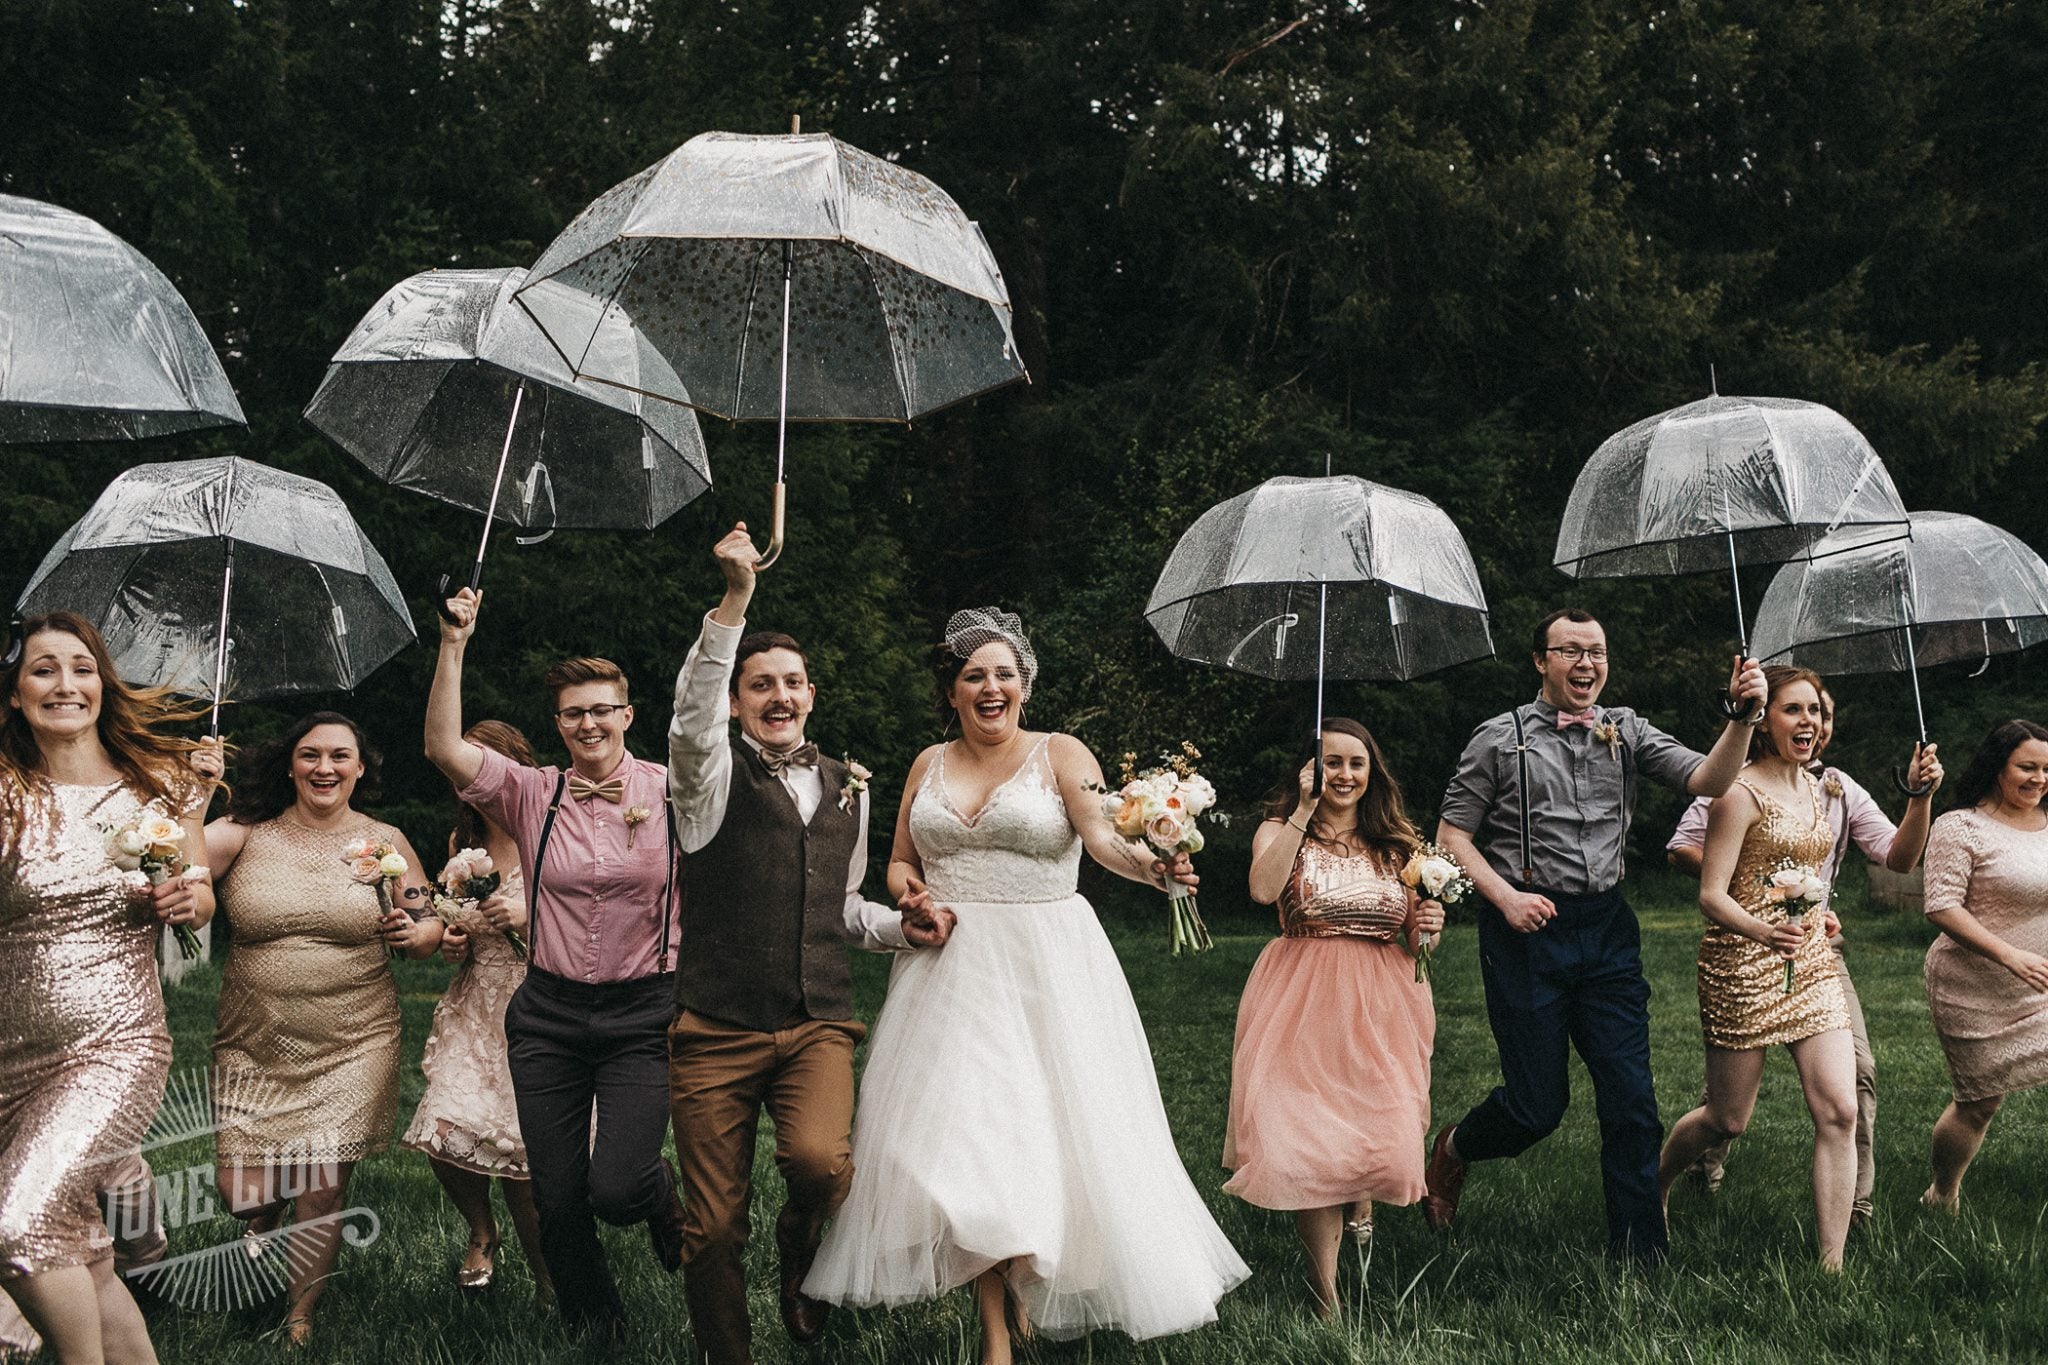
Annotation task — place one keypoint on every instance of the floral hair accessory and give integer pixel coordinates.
(969, 630)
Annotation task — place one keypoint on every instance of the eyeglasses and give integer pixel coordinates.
(573, 715)
(1571, 654)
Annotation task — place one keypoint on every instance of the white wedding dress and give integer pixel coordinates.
(1009, 1108)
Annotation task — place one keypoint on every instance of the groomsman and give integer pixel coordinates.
(1538, 812)
(1856, 819)
(776, 840)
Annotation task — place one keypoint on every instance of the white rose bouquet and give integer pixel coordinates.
(154, 846)
(1799, 889)
(1432, 872)
(467, 881)
(1160, 809)
(380, 865)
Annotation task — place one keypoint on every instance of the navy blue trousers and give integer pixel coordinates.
(590, 1074)
(1576, 982)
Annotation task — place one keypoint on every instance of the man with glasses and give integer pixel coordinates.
(777, 836)
(587, 1033)
(1538, 812)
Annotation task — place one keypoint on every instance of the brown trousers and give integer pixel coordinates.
(721, 1076)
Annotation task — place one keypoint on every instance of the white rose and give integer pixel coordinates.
(392, 865)
(1436, 874)
(131, 844)
(356, 851)
(159, 830)
(1197, 794)
(1790, 878)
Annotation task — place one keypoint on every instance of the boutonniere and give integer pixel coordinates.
(635, 817)
(1833, 787)
(856, 783)
(1608, 733)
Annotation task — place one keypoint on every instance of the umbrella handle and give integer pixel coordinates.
(1728, 707)
(1899, 781)
(441, 602)
(774, 549)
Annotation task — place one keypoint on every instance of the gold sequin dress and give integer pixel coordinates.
(1743, 1001)
(306, 1044)
(83, 1047)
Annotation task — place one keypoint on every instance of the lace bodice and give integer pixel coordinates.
(1020, 846)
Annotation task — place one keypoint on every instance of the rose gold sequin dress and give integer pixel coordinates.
(1743, 1001)
(83, 1047)
(305, 1047)
(1993, 1026)
(1329, 1081)
(468, 1117)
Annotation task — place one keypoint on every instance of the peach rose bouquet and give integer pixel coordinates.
(1799, 889)
(154, 847)
(1160, 809)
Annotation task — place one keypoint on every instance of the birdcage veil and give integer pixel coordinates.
(974, 627)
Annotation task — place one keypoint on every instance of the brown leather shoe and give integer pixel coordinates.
(665, 1228)
(1445, 1181)
(802, 1316)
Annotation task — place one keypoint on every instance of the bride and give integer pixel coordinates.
(1010, 1129)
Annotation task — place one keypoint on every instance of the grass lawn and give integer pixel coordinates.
(1522, 1279)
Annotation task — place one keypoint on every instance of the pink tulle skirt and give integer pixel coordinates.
(1329, 1081)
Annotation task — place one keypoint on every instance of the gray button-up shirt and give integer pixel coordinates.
(1580, 792)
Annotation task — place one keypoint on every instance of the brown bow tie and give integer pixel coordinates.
(802, 756)
(582, 789)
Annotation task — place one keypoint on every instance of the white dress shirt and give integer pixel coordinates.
(700, 778)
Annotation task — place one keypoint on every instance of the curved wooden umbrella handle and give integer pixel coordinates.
(774, 549)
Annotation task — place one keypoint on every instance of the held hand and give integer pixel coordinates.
(1527, 912)
(397, 928)
(1785, 938)
(2030, 968)
(455, 944)
(1429, 917)
(1926, 770)
(206, 761)
(1180, 868)
(930, 932)
(504, 911)
(1747, 688)
(736, 558)
(1307, 805)
(175, 901)
(463, 607)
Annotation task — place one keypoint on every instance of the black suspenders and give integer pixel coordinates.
(1628, 805)
(540, 858)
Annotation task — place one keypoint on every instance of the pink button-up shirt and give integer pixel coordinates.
(1854, 816)
(598, 913)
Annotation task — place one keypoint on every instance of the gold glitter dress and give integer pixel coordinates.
(305, 1047)
(83, 1047)
(1743, 1000)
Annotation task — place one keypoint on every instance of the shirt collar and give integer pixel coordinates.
(758, 747)
(1548, 714)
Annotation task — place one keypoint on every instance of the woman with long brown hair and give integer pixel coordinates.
(1329, 1084)
(83, 758)
(468, 1120)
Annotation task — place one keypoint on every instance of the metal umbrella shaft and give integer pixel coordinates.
(476, 568)
(1322, 626)
(774, 550)
(1903, 779)
(220, 649)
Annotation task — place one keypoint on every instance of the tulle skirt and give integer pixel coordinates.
(1329, 1078)
(1009, 1110)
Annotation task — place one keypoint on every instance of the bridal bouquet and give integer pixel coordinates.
(466, 882)
(1159, 809)
(154, 845)
(1798, 888)
(372, 863)
(1433, 873)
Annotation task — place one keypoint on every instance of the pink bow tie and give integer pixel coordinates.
(1567, 719)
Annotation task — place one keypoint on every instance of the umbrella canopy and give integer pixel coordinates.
(95, 344)
(1725, 481)
(153, 563)
(1958, 589)
(1333, 577)
(672, 283)
(422, 390)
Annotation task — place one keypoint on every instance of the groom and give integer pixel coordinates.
(776, 838)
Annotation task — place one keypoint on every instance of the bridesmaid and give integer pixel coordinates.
(305, 1049)
(85, 1049)
(467, 1122)
(1329, 1087)
(1987, 975)
(1774, 815)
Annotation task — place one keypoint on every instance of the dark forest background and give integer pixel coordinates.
(1449, 246)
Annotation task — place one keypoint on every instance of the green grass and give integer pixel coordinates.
(1522, 1279)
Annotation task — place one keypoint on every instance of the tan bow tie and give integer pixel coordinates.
(802, 756)
(582, 789)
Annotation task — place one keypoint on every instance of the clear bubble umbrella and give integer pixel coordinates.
(1958, 589)
(1722, 483)
(785, 278)
(154, 562)
(1337, 577)
(95, 344)
(444, 385)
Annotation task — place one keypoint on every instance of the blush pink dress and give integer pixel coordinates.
(1993, 1026)
(1329, 1082)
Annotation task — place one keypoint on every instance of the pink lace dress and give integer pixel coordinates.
(467, 1117)
(1993, 1026)
(1329, 1079)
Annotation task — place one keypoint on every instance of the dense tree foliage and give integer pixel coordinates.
(1447, 246)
